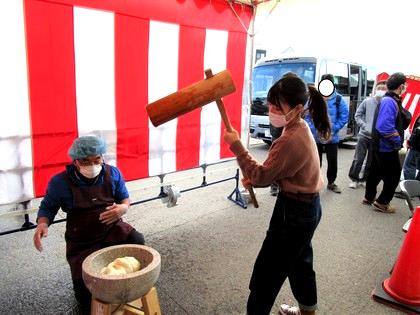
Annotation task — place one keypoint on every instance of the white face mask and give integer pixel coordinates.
(90, 171)
(277, 120)
(379, 93)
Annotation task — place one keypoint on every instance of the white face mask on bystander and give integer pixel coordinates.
(379, 93)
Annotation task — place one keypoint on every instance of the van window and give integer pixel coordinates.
(322, 68)
(340, 72)
(354, 82)
(371, 77)
(263, 77)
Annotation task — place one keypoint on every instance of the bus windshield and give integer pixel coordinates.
(264, 77)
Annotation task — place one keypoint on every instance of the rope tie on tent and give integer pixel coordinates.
(243, 24)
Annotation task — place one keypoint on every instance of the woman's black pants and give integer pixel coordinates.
(286, 253)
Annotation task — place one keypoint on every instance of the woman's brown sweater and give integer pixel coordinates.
(292, 162)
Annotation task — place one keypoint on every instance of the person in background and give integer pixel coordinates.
(364, 119)
(387, 140)
(412, 159)
(411, 166)
(338, 112)
(94, 196)
(292, 163)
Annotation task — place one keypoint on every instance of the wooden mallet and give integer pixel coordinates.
(198, 94)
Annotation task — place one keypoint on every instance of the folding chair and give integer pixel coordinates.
(410, 188)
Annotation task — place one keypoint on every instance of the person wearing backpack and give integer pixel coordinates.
(412, 159)
(364, 119)
(390, 121)
(338, 112)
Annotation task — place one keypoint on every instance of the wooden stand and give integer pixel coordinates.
(146, 305)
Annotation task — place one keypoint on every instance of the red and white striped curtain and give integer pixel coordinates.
(411, 98)
(77, 67)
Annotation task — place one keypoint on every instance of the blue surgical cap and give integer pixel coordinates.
(86, 146)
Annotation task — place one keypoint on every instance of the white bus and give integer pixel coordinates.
(353, 81)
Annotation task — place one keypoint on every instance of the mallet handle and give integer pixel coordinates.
(220, 105)
(229, 128)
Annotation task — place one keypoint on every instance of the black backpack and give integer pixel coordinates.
(414, 140)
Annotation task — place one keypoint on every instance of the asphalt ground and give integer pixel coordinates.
(208, 246)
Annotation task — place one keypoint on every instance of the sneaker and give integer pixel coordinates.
(367, 202)
(333, 187)
(293, 310)
(383, 208)
(289, 310)
(353, 185)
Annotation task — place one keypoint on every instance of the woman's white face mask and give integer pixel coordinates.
(279, 120)
(90, 171)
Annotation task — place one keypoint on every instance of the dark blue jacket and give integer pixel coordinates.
(59, 194)
(386, 125)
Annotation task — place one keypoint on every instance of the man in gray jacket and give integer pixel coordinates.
(364, 119)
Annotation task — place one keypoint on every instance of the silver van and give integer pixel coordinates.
(353, 81)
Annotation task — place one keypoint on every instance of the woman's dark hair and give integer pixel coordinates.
(291, 90)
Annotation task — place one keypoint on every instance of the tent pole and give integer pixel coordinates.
(251, 34)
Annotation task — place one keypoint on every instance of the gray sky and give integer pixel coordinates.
(383, 34)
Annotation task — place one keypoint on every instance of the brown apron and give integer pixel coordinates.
(84, 231)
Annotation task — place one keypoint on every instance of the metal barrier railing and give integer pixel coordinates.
(236, 196)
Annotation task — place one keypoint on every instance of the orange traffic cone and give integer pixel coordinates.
(404, 283)
(402, 288)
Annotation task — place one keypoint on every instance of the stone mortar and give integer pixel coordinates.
(122, 288)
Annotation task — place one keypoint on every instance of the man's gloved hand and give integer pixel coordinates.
(113, 213)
